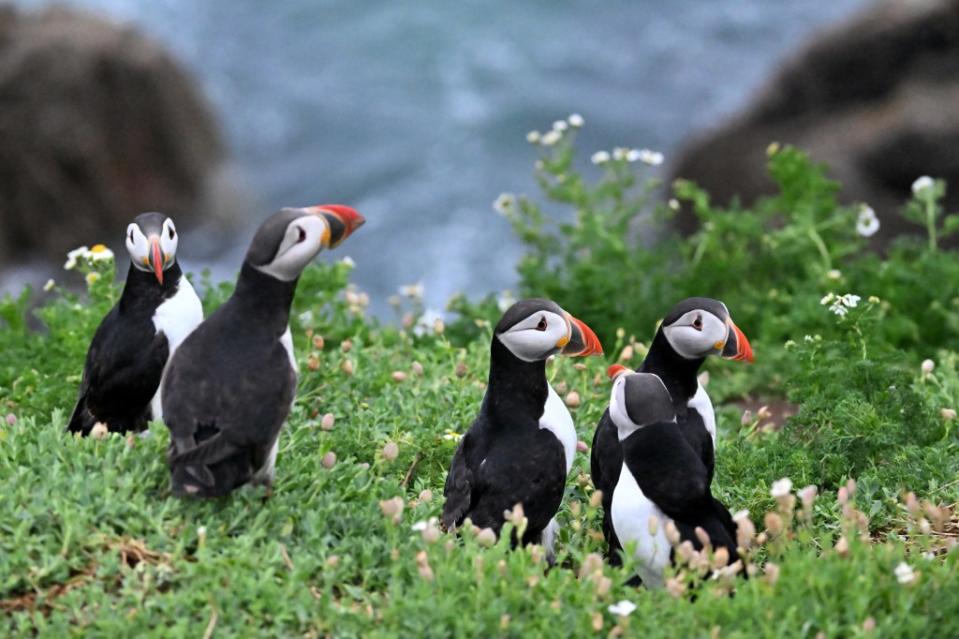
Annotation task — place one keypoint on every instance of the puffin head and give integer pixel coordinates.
(290, 238)
(534, 329)
(699, 326)
(638, 400)
(151, 241)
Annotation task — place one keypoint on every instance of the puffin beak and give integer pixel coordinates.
(615, 371)
(156, 258)
(737, 346)
(342, 221)
(581, 341)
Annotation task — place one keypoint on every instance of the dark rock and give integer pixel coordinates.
(97, 123)
(875, 98)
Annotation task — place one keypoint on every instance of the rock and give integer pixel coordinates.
(873, 97)
(97, 123)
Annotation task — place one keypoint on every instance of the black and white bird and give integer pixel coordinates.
(662, 479)
(130, 349)
(232, 383)
(694, 329)
(520, 448)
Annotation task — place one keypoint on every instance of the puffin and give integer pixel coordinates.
(131, 347)
(520, 447)
(693, 330)
(231, 384)
(662, 478)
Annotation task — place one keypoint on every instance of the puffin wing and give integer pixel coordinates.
(668, 470)
(459, 487)
(219, 403)
(120, 368)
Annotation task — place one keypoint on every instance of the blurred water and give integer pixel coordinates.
(416, 113)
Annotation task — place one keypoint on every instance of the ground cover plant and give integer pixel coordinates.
(859, 350)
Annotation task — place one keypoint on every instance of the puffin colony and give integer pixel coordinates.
(224, 387)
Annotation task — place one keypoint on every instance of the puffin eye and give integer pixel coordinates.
(131, 236)
(172, 232)
(698, 323)
(302, 235)
(542, 324)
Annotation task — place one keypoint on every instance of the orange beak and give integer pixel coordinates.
(737, 345)
(582, 339)
(616, 370)
(156, 258)
(341, 219)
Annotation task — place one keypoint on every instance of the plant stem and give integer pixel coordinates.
(823, 251)
(931, 223)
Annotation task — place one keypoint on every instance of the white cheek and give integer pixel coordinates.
(689, 342)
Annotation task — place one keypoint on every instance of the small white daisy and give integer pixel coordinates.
(600, 157)
(867, 224)
(623, 608)
(922, 184)
(652, 158)
(576, 120)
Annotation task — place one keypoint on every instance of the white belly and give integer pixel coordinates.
(557, 419)
(630, 512)
(704, 407)
(287, 340)
(177, 317)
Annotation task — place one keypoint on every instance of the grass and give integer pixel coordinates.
(93, 544)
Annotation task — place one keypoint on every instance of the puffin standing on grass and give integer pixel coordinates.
(521, 446)
(232, 383)
(156, 311)
(693, 330)
(662, 479)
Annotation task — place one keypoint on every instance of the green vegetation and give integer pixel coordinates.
(92, 543)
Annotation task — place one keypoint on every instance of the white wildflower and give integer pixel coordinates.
(452, 436)
(600, 157)
(533, 137)
(781, 487)
(904, 573)
(652, 158)
(834, 274)
(505, 203)
(623, 608)
(413, 291)
(100, 252)
(550, 138)
(575, 120)
(867, 224)
(49, 285)
(620, 153)
(928, 366)
(92, 278)
(849, 300)
(840, 304)
(348, 261)
(424, 524)
(673, 204)
(560, 125)
(74, 255)
(632, 155)
(426, 323)
(922, 184)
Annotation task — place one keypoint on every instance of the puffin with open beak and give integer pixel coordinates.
(232, 383)
(520, 448)
(696, 328)
(130, 349)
